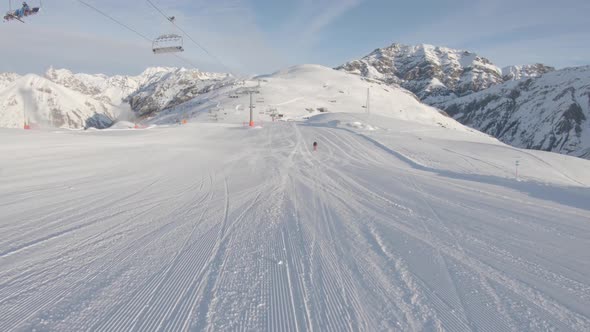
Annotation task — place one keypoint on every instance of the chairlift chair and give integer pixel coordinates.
(21, 13)
(168, 44)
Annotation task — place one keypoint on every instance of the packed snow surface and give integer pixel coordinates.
(392, 225)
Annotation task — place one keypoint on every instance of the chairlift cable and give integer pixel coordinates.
(114, 20)
(132, 30)
(190, 37)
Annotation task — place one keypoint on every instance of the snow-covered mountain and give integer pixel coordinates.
(36, 100)
(437, 74)
(7, 78)
(434, 74)
(299, 92)
(548, 113)
(514, 73)
(76, 100)
(109, 89)
(163, 88)
(530, 106)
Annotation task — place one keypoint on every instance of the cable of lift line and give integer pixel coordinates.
(190, 37)
(114, 20)
(132, 30)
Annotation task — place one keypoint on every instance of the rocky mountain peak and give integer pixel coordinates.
(435, 74)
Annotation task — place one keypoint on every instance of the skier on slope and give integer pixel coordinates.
(315, 146)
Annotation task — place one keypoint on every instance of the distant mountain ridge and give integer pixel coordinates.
(35, 100)
(436, 74)
(65, 99)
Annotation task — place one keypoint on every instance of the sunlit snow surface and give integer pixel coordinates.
(392, 225)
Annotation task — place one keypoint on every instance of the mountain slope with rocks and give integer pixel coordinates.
(74, 100)
(547, 113)
(35, 100)
(434, 74)
(527, 106)
(162, 89)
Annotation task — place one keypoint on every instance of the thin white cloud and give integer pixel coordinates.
(326, 14)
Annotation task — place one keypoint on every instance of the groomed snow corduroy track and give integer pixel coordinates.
(213, 227)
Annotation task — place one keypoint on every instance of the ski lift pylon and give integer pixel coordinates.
(171, 43)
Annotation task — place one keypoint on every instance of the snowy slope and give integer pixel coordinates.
(435, 74)
(36, 100)
(303, 91)
(549, 113)
(392, 225)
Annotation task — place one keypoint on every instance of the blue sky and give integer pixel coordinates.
(261, 36)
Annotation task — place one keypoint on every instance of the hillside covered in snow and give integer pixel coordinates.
(300, 92)
(37, 101)
(550, 113)
(529, 106)
(63, 99)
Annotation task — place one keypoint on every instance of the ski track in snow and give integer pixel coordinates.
(201, 236)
